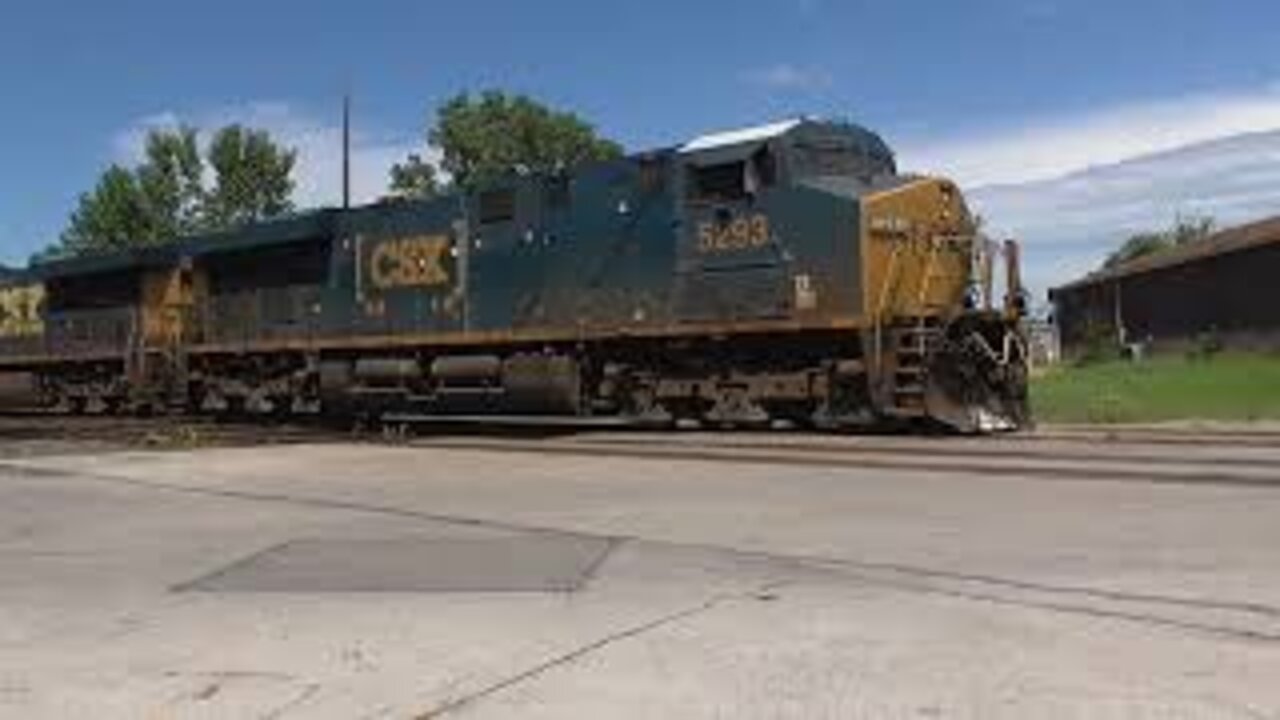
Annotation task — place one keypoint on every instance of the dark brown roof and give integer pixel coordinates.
(1231, 240)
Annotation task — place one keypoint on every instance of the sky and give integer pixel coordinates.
(1069, 123)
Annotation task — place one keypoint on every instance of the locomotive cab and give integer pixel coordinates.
(770, 217)
(811, 223)
(730, 268)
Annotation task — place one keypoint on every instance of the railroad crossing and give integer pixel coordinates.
(1073, 573)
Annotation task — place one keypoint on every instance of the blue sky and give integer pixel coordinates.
(1002, 94)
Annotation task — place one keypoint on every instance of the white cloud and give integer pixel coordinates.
(1074, 187)
(785, 76)
(1070, 223)
(318, 141)
(1050, 148)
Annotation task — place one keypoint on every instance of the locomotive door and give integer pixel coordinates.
(508, 260)
(158, 355)
(729, 265)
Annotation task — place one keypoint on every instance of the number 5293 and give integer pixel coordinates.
(741, 233)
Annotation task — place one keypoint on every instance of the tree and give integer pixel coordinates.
(253, 177)
(112, 216)
(1186, 230)
(1137, 246)
(414, 178)
(171, 183)
(163, 198)
(484, 138)
(157, 201)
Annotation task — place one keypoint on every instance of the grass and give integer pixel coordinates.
(1227, 386)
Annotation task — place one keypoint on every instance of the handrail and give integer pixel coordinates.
(929, 267)
(888, 281)
(880, 306)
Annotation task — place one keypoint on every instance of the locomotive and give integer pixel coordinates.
(786, 272)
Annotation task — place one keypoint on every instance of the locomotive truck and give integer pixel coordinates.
(786, 272)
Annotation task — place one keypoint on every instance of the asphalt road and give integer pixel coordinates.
(634, 576)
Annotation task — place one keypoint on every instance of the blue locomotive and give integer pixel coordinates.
(781, 272)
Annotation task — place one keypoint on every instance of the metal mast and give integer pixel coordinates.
(346, 151)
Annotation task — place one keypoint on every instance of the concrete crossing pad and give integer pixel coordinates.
(520, 563)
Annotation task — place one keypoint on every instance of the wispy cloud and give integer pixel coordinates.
(1073, 188)
(785, 76)
(1071, 222)
(317, 139)
(1038, 150)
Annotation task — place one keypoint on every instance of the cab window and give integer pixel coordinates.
(735, 180)
(719, 183)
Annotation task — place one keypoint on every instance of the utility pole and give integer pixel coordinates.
(346, 151)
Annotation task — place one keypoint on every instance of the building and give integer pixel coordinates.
(1224, 290)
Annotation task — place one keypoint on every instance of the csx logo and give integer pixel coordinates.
(409, 262)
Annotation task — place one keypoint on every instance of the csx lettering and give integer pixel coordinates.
(409, 262)
(741, 233)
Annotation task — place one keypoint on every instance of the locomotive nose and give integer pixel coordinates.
(917, 242)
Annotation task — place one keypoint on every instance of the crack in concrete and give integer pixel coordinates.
(595, 646)
(305, 694)
(809, 561)
(285, 498)
(1077, 609)
(873, 573)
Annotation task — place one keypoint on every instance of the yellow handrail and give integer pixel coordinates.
(888, 281)
(880, 306)
(929, 267)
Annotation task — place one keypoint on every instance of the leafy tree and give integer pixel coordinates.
(155, 202)
(1137, 246)
(414, 178)
(171, 183)
(495, 134)
(49, 253)
(253, 177)
(164, 197)
(1186, 230)
(113, 216)
(1191, 229)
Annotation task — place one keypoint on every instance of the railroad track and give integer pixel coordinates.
(961, 449)
(1009, 461)
(1075, 454)
(97, 432)
(1268, 437)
